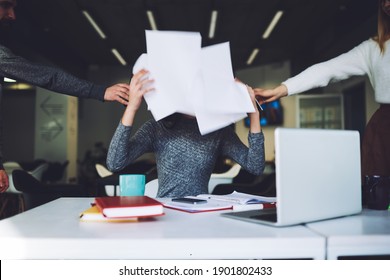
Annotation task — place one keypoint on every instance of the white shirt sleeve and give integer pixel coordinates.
(352, 63)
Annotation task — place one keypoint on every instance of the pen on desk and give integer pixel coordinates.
(258, 105)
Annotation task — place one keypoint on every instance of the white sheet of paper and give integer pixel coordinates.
(174, 59)
(220, 85)
(192, 80)
(209, 120)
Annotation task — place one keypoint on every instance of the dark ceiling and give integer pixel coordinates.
(309, 30)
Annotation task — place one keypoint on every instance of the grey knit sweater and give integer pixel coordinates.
(185, 159)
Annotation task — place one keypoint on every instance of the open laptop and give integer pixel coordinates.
(317, 177)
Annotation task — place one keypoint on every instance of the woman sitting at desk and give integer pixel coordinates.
(185, 159)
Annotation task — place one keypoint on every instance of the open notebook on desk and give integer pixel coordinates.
(234, 201)
(317, 177)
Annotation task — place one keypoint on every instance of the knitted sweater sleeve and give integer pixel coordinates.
(352, 63)
(251, 159)
(18, 68)
(1, 129)
(124, 148)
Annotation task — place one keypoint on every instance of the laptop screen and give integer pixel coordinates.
(317, 177)
(317, 174)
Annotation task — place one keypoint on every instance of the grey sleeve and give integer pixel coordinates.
(1, 128)
(124, 148)
(250, 158)
(54, 79)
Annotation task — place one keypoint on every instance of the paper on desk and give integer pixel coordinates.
(235, 201)
(192, 80)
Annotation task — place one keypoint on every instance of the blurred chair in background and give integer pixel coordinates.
(151, 188)
(109, 180)
(55, 172)
(11, 192)
(224, 178)
(36, 193)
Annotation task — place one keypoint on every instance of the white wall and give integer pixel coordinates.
(56, 129)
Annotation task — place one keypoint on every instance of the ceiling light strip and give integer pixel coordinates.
(213, 23)
(252, 56)
(272, 24)
(119, 57)
(94, 25)
(151, 19)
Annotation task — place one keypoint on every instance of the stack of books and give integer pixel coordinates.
(122, 209)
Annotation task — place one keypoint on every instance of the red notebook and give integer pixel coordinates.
(129, 206)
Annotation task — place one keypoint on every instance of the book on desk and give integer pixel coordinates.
(93, 214)
(129, 206)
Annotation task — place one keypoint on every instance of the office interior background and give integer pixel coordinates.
(42, 125)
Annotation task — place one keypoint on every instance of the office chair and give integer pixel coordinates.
(102, 170)
(10, 167)
(151, 188)
(109, 180)
(36, 193)
(38, 171)
(55, 172)
(224, 178)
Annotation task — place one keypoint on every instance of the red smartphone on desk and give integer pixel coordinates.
(189, 200)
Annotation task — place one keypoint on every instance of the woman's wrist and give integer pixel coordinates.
(254, 119)
(281, 91)
(128, 116)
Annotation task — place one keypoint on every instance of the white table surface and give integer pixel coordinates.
(367, 234)
(53, 231)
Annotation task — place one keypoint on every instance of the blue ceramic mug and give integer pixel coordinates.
(132, 184)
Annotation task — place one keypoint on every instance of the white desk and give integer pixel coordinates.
(53, 231)
(367, 234)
